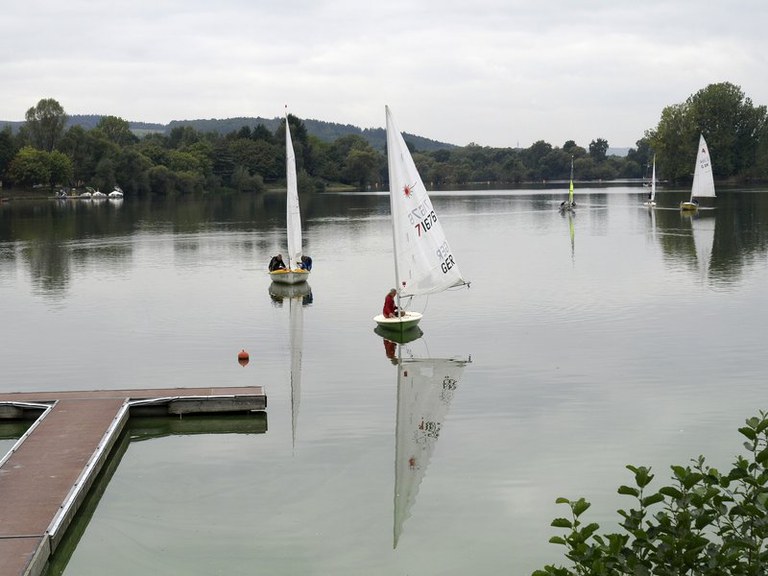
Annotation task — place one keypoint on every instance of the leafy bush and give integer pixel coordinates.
(704, 523)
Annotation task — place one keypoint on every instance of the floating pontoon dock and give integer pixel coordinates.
(47, 474)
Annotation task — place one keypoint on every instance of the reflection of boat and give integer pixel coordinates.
(703, 231)
(280, 292)
(652, 196)
(392, 339)
(425, 389)
(297, 296)
(569, 204)
(703, 182)
(291, 274)
(423, 260)
(572, 232)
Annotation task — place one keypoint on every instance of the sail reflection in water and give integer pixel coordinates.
(298, 296)
(425, 389)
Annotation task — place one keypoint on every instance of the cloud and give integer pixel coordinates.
(490, 72)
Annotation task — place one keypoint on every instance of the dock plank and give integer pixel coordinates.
(43, 481)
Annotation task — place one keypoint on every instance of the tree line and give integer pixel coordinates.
(250, 159)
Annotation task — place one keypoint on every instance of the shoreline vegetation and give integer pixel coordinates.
(49, 150)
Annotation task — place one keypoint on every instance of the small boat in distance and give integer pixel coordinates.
(652, 196)
(570, 204)
(424, 263)
(116, 193)
(703, 182)
(291, 274)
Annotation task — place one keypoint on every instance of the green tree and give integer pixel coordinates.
(29, 166)
(7, 149)
(116, 130)
(674, 140)
(360, 167)
(46, 122)
(598, 149)
(731, 125)
(61, 169)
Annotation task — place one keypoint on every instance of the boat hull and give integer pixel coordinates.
(293, 276)
(649, 203)
(689, 205)
(399, 324)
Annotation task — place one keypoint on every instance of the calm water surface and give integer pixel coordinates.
(619, 336)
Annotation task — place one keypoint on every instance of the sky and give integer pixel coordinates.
(499, 73)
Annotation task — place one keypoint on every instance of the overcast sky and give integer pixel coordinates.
(493, 72)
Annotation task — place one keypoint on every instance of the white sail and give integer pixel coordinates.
(425, 388)
(296, 335)
(424, 263)
(293, 214)
(703, 180)
(653, 180)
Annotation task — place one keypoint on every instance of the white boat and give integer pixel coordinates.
(570, 204)
(85, 195)
(424, 263)
(703, 181)
(425, 390)
(291, 274)
(98, 195)
(116, 193)
(652, 196)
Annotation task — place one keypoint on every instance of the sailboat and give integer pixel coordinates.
(569, 204)
(652, 196)
(291, 274)
(424, 263)
(703, 182)
(297, 296)
(425, 389)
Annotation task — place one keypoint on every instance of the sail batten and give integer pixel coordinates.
(424, 263)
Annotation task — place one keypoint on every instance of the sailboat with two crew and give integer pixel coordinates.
(292, 273)
(424, 262)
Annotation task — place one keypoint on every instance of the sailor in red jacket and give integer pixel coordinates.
(390, 308)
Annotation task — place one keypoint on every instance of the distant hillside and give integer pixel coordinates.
(325, 131)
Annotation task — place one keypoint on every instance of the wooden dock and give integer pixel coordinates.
(47, 474)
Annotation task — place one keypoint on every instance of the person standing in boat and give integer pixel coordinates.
(276, 263)
(390, 308)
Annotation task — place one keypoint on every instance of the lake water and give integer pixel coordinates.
(618, 336)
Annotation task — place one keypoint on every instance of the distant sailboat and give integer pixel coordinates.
(570, 204)
(703, 181)
(652, 196)
(425, 389)
(291, 274)
(424, 263)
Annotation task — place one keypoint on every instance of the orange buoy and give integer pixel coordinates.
(243, 358)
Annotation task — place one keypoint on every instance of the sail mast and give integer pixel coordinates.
(392, 149)
(653, 179)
